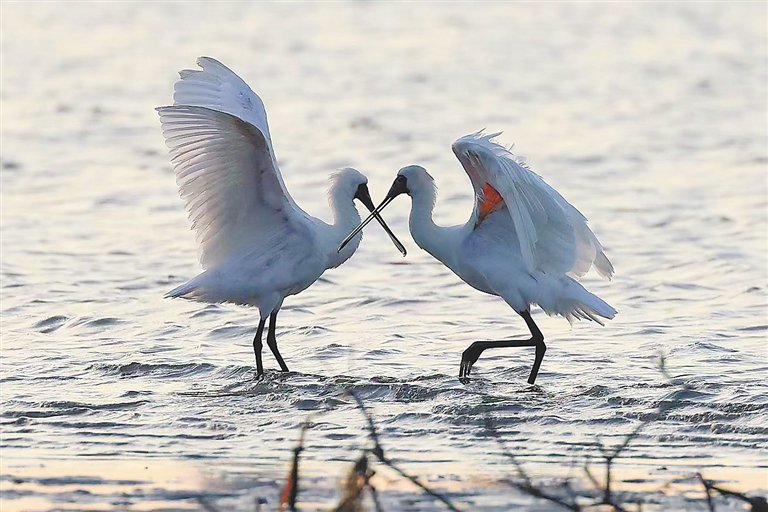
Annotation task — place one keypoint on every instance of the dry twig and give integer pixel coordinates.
(291, 489)
(608, 496)
(378, 451)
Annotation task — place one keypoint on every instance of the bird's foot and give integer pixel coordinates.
(468, 358)
(260, 376)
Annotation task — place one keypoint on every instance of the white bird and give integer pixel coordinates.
(523, 241)
(257, 245)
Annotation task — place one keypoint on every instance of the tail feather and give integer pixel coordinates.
(594, 312)
(571, 300)
(588, 307)
(185, 290)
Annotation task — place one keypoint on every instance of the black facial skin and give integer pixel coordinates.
(399, 186)
(364, 196)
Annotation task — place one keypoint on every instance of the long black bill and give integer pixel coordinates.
(365, 197)
(393, 192)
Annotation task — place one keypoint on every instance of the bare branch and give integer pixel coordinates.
(290, 492)
(209, 507)
(355, 484)
(590, 476)
(707, 491)
(540, 493)
(527, 486)
(757, 504)
(375, 498)
(378, 451)
(505, 451)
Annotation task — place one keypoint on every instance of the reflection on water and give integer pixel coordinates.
(650, 118)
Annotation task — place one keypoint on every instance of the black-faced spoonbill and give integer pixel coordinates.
(257, 245)
(523, 242)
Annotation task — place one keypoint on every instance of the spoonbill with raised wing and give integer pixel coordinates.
(257, 245)
(523, 241)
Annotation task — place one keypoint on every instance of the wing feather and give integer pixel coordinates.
(228, 179)
(217, 87)
(554, 236)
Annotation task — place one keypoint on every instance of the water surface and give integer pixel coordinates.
(650, 118)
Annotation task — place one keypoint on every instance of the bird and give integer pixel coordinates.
(523, 242)
(257, 246)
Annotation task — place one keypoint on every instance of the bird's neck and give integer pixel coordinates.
(345, 219)
(434, 239)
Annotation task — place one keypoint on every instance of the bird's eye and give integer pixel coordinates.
(401, 178)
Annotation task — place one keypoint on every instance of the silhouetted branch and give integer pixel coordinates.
(527, 486)
(708, 492)
(375, 497)
(207, 506)
(607, 492)
(356, 482)
(604, 494)
(378, 451)
(757, 504)
(590, 476)
(505, 451)
(608, 457)
(538, 492)
(291, 489)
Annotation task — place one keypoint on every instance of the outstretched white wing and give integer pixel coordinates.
(553, 234)
(219, 88)
(228, 180)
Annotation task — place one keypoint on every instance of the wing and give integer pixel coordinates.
(217, 87)
(553, 235)
(228, 180)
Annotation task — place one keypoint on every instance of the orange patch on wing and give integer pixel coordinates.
(491, 199)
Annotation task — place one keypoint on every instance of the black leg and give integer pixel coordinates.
(272, 342)
(472, 354)
(257, 348)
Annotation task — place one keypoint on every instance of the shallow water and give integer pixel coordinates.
(650, 118)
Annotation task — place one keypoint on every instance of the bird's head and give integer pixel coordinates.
(411, 179)
(349, 182)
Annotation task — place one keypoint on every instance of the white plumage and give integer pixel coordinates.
(229, 183)
(257, 245)
(554, 236)
(545, 241)
(523, 241)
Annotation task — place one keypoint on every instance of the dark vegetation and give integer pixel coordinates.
(564, 494)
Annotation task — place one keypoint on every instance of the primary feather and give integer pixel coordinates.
(217, 87)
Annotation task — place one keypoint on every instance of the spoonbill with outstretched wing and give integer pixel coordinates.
(257, 245)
